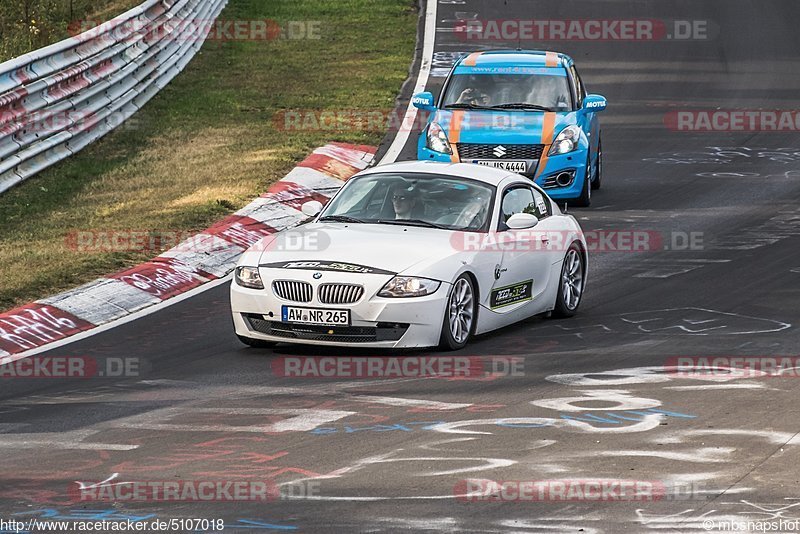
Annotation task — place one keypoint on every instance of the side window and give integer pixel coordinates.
(543, 208)
(578, 85)
(517, 200)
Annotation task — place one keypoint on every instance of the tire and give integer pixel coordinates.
(458, 323)
(598, 167)
(256, 343)
(585, 200)
(573, 275)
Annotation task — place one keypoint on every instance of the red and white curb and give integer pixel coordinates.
(204, 259)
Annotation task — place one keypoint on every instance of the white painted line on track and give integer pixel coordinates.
(700, 455)
(706, 387)
(72, 440)
(429, 38)
(297, 420)
(398, 401)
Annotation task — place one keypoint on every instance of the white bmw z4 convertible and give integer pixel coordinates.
(414, 254)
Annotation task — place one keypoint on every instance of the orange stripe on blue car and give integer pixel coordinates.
(454, 133)
(471, 59)
(548, 126)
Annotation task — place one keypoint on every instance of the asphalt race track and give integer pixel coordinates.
(589, 397)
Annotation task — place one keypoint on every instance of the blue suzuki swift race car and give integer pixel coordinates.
(523, 111)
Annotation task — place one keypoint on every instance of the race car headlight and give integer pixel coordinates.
(566, 141)
(409, 286)
(437, 139)
(249, 277)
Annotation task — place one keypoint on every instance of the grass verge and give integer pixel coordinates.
(209, 142)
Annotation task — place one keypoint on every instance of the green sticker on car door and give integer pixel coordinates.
(507, 295)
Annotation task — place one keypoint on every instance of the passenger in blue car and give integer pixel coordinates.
(550, 92)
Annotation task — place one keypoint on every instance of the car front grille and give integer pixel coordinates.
(340, 293)
(347, 334)
(481, 151)
(292, 290)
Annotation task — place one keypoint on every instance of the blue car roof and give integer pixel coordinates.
(516, 58)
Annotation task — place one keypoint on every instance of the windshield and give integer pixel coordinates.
(489, 90)
(416, 198)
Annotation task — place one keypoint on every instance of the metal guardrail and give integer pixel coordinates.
(57, 100)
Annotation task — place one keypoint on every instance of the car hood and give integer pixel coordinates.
(512, 127)
(383, 248)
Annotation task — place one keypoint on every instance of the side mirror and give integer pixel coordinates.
(311, 208)
(424, 101)
(594, 103)
(522, 221)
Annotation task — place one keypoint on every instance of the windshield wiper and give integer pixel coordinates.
(340, 218)
(412, 222)
(521, 105)
(464, 105)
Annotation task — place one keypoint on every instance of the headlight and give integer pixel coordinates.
(409, 286)
(249, 277)
(437, 139)
(566, 141)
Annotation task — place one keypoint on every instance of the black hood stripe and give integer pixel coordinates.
(318, 265)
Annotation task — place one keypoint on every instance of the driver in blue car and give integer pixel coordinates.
(474, 94)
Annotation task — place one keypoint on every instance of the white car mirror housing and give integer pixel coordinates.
(522, 221)
(311, 208)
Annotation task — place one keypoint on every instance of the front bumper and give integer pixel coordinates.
(574, 161)
(375, 321)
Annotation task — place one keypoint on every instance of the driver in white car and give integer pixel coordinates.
(404, 201)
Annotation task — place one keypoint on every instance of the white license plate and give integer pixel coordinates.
(506, 165)
(321, 316)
